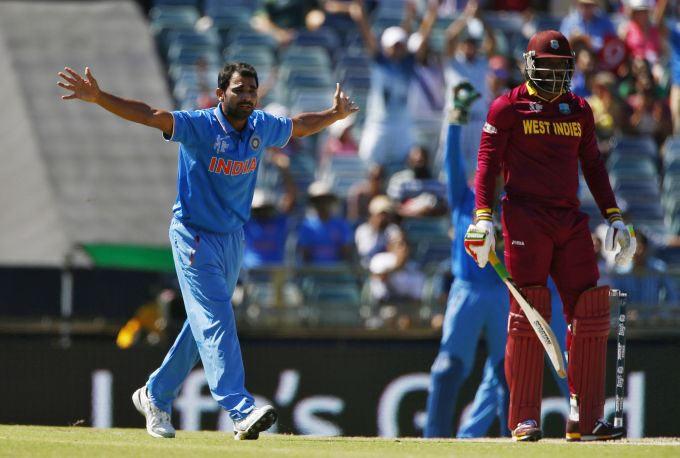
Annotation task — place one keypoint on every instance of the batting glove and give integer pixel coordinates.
(479, 241)
(619, 234)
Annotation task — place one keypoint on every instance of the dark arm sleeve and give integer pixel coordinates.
(495, 137)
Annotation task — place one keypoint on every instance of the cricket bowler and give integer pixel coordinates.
(220, 150)
(537, 135)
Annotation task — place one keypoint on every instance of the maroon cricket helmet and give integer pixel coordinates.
(551, 77)
(550, 43)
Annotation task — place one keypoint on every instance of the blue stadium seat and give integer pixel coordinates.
(635, 145)
(219, 7)
(163, 3)
(324, 37)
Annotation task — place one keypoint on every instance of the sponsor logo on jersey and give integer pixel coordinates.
(518, 242)
(535, 107)
(255, 142)
(564, 108)
(231, 167)
(221, 145)
(489, 129)
(538, 127)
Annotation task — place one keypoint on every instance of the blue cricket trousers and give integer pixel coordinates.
(207, 266)
(471, 310)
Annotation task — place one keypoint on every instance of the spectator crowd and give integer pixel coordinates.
(368, 195)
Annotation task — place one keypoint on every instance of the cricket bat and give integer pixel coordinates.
(541, 327)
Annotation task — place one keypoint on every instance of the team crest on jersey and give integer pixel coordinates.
(564, 108)
(221, 144)
(255, 142)
(535, 107)
(554, 44)
(489, 129)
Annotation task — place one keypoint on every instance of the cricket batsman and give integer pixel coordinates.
(537, 135)
(220, 150)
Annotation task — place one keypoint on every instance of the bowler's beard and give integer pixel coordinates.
(236, 112)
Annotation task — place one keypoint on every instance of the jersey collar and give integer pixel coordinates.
(226, 126)
(534, 93)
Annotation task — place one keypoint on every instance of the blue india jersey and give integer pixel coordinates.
(218, 165)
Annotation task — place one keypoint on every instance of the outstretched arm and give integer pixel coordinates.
(87, 90)
(310, 123)
(358, 14)
(426, 27)
(455, 172)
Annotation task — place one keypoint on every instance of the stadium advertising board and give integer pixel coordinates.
(321, 387)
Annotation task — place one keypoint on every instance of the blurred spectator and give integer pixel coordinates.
(649, 115)
(206, 96)
(646, 280)
(360, 195)
(371, 237)
(394, 277)
(387, 132)
(151, 319)
(584, 71)
(607, 108)
(281, 18)
(468, 40)
(340, 141)
(674, 44)
(589, 22)
(640, 32)
(322, 237)
(267, 229)
(426, 94)
(510, 5)
(415, 189)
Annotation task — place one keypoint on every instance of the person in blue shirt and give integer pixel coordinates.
(387, 135)
(219, 152)
(265, 233)
(323, 238)
(478, 301)
(587, 21)
(267, 229)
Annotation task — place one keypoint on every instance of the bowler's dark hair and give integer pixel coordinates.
(230, 68)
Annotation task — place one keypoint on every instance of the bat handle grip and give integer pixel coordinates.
(498, 266)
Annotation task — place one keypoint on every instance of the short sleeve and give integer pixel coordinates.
(185, 127)
(277, 130)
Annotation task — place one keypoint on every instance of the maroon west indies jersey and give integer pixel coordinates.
(538, 144)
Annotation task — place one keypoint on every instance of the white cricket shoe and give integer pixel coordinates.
(157, 421)
(260, 419)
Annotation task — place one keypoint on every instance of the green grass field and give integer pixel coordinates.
(39, 441)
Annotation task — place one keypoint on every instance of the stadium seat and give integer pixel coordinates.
(164, 3)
